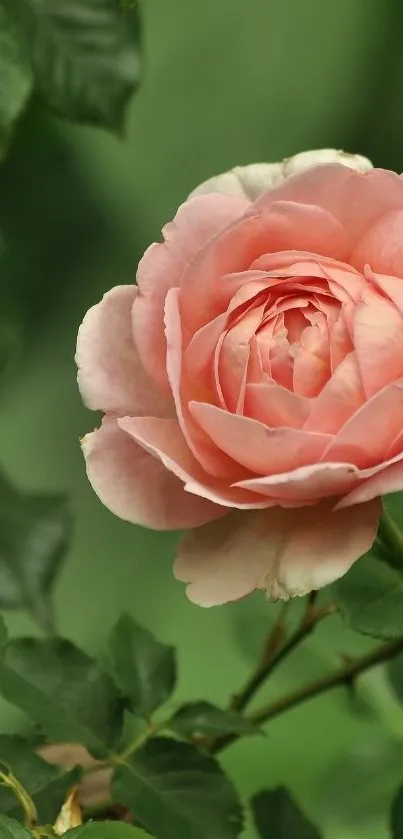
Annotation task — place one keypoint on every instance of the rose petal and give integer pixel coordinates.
(340, 398)
(381, 245)
(392, 287)
(284, 552)
(255, 446)
(136, 486)
(378, 341)
(385, 481)
(162, 266)
(274, 405)
(307, 483)
(110, 374)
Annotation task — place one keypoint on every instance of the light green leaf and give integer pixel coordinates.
(15, 79)
(144, 669)
(370, 598)
(34, 536)
(63, 691)
(177, 791)
(46, 784)
(107, 830)
(396, 816)
(277, 816)
(84, 56)
(205, 719)
(11, 829)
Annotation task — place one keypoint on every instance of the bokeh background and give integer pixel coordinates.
(225, 82)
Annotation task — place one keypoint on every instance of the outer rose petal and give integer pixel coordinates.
(284, 552)
(110, 375)
(136, 486)
(251, 181)
(162, 266)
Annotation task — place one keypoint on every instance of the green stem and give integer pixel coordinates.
(7, 779)
(343, 676)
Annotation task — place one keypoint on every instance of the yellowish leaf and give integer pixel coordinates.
(70, 815)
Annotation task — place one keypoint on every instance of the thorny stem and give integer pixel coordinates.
(343, 676)
(311, 618)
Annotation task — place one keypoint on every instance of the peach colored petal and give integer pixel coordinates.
(340, 398)
(391, 287)
(378, 342)
(214, 462)
(340, 342)
(303, 226)
(367, 435)
(162, 267)
(306, 484)
(234, 356)
(110, 374)
(314, 273)
(310, 373)
(164, 440)
(383, 481)
(255, 446)
(284, 552)
(355, 199)
(274, 405)
(136, 486)
(381, 245)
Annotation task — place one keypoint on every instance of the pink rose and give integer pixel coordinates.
(252, 382)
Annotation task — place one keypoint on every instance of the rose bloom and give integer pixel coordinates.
(252, 380)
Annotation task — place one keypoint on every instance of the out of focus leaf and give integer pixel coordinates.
(144, 669)
(15, 79)
(396, 816)
(34, 536)
(3, 633)
(84, 56)
(356, 794)
(47, 785)
(370, 598)
(11, 829)
(177, 791)
(277, 816)
(203, 718)
(63, 691)
(107, 830)
(395, 675)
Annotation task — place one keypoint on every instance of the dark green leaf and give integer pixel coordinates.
(46, 784)
(3, 633)
(370, 598)
(84, 55)
(107, 830)
(396, 816)
(34, 536)
(277, 816)
(11, 829)
(15, 79)
(177, 791)
(144, 668)
(63, 691)
(203, 718)
(395, 674)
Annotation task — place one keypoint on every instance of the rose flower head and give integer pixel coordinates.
(252, 381)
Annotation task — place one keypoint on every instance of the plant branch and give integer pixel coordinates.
(343, 676)
(311, 618)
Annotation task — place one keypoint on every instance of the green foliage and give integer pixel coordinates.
(34, 536)
(107, 830)
(63, 690)
(202, 718)
(396, 816)
(370, 598)
(144, 669)
(277, 816)
(15, 79)
(47, 785)
(395, 675)
(84, 56)
(11, 829)
(176, 791)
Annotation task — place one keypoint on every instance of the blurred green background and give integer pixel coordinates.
(226, 82)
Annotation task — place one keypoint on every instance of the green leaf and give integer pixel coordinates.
(63, 691)
(370, 598)
(3, 633)
(395, 675)
(84, 55)
(107, 830)
(11, 829)
(177, 791)
(46, 784)
(396, 815)
(144, 669)
(15, 80)
(277, 816)
(205, 719)
(34, 536)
